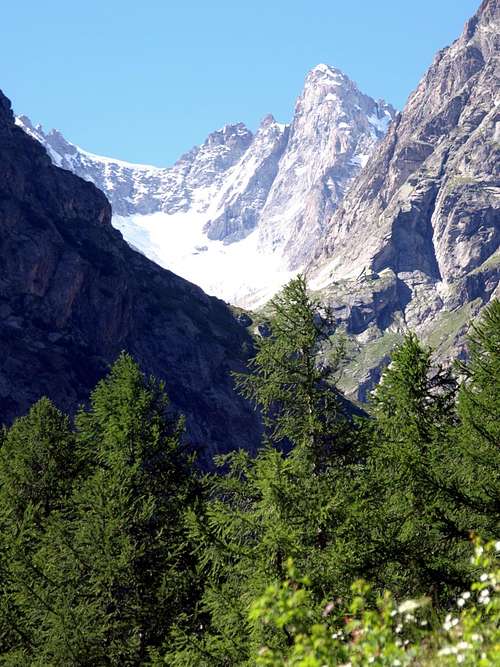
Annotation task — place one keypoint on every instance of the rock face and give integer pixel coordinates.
(334, 130)
(73, 294)
(143, 189)
(426, 206)
(241, 213)
(404, 236)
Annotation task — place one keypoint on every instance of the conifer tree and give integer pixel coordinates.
(276, 505)
(37, 468)
(120, 564)
(294, 393)
(477, 437)
(408, 507)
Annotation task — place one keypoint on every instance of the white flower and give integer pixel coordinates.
(466, 595)
(497, 545)
(476, 638)
(483, 577)
(460, 658)
(408, 605)
(447, 650)
(460, 602)
(462, 646)
(484, 593)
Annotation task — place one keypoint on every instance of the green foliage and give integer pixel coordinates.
(419, 546)
(287, 384)
(114, 552)
(266, 509)
(478, 433)
(382, 632)
(110, 564)
(124, 552)
(37, 464)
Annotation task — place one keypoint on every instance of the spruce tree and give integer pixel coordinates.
(293, 392)
(477, 437)
(408, 511)
(37, 468)
(288, 501)
(120, 564)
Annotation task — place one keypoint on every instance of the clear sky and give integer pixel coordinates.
(146, 80)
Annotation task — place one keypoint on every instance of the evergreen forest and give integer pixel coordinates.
(352, 537)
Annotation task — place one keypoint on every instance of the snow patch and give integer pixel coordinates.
(240, 273)
(380, 124)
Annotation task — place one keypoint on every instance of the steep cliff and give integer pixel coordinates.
(423, 216)
(73, 294)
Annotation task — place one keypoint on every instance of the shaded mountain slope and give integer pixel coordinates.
(73, 294)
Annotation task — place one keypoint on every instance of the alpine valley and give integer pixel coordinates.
(394, 217)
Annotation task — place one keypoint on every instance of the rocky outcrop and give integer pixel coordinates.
(334, 130)
(404, 236)
(73, 294)
(426, 206)
(245, 193)
(428, 199)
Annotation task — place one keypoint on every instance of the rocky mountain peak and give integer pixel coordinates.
(236, 135)
(327, 74)
(333, 131)
(265, 196)
(421, 223)
(267, 121)
(324, 84)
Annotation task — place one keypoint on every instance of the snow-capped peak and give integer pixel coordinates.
(327, 70)
(240, 213)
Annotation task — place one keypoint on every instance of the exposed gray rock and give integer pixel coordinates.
(144, 189)
(426, 206)
(246, 193)
(282, 184)
(334, 130)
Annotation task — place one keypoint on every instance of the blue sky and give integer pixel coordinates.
(145, 81)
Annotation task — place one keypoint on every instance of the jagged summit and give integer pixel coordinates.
(395, 216)
(328, 71)
(415, 241)
(239, 214)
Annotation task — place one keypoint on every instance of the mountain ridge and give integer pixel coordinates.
(402, 237)
(242, 198)
(73, 295)
(421, 223)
